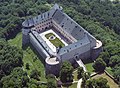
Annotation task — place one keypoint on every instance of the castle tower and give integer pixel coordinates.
(52, 66)
(27, 25)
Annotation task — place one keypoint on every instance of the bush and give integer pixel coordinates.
(99, 65)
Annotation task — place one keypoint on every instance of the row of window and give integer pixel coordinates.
(43, 25)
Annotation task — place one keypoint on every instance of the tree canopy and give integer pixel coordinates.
(51, 81)
(10, 57)
(99, 65)
(97, 83)
(66, 72)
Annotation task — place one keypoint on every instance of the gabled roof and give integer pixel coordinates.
(67, 24)
(42, 17)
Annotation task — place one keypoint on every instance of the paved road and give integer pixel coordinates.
(81, 64)
(79, 83)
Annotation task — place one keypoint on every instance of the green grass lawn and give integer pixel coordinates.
(89, 67)
(29, 57)
(75, 75)
(56, 42)
(111, 83)
(73, 85)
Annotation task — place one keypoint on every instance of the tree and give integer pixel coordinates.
(114, 60)
(51, 82)
(66, 72)
(106, 57)
(85, 77)
(99, 65)
(10, 57)
(117, 74)
(35, 74)
(80, 72)
(97, 83)
(17, 79)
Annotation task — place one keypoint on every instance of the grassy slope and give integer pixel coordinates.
(75, 75)
(89, 67)
(28, 57)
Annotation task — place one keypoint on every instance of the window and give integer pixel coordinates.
(67, 50)
(76, 26)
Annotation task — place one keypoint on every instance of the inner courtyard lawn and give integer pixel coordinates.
(56, 42)
(29, 57)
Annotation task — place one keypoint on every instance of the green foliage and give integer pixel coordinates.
(85, 77)
(97, 83)
(80, 72)
(10, 57)
(35, 74)
(66, 72)
(117, 75)
(106, 57)
(51, 81)
(10, 81)
(99, 65)
(99, 17)
(12, 14)
(114, 60)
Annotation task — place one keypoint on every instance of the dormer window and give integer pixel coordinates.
(48, 14)
(37, 17)
(76, 26)
(67, 50)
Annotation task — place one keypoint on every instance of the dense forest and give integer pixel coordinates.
(100, 17)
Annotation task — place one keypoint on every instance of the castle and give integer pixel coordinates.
(57, 38)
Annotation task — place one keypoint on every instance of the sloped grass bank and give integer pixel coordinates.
(29, 56)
